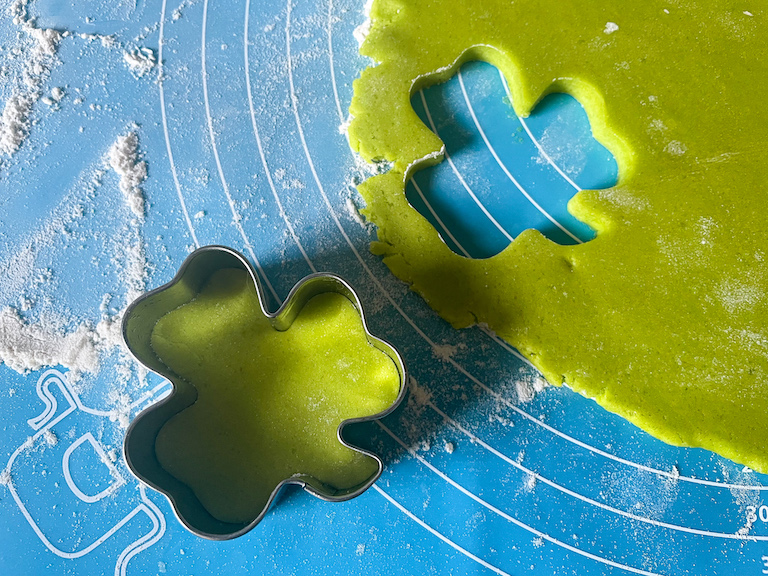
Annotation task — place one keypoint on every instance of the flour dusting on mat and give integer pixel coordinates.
(38, 50)
(124, 160)
(361, 32)
(26, 347)
(140, 61)
(747, 500)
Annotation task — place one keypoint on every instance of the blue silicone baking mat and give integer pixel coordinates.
(133, 132)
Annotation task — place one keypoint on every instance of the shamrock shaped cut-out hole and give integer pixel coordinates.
(503, 174)
(265, 395)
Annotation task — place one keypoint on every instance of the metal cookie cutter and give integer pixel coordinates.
(139, 320)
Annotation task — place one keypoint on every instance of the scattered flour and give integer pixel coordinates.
(178, 13)
(528, 387)
(446, 352)
(419, 396)
(135, 269)
(18, 267)
(742, 294)
(124, 160)
(39, 47)
(106, 41)
(361, 32)
(676, 148)
(25, 347)
(353, 210)
(122, 411)
(365, 170)
(140, 61)
(746, 500)
(624, 199)
(344, 126)
(641, 492)
(557, 146)
(529, 483)
(417, 402)
(50, 438)
(610, 27)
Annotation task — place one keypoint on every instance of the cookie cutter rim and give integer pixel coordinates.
(301, 293)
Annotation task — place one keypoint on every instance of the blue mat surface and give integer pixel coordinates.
(238, 118)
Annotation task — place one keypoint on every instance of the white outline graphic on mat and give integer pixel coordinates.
(43, 423)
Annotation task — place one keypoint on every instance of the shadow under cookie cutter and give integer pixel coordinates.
(138, 323)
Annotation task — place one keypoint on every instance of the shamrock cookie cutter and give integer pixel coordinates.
(139, 447)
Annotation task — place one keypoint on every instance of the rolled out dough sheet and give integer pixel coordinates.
(663, 317)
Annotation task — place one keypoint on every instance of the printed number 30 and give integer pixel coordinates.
(765, 564)
(753, 513)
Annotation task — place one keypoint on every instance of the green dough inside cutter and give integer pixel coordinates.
(269, 402)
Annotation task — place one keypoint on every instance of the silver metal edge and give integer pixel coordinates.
(289, 307)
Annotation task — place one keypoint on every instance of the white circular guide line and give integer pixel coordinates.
(511, 350)
(463, 182)
(439, 535)
(341, 119)
(284, 215)
(535, 141)
(235, 215)
(320, 187)
(263, 157)
(437, 218)
(160, 82)
(501, 164)
(512, 519)
(398, 505)
(330, 58)
(376, 281)
(560, 488)
(608, 455)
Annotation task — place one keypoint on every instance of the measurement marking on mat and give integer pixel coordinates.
(754, 514)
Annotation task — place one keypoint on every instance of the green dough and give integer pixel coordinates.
(269, 403)
(663, 317)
